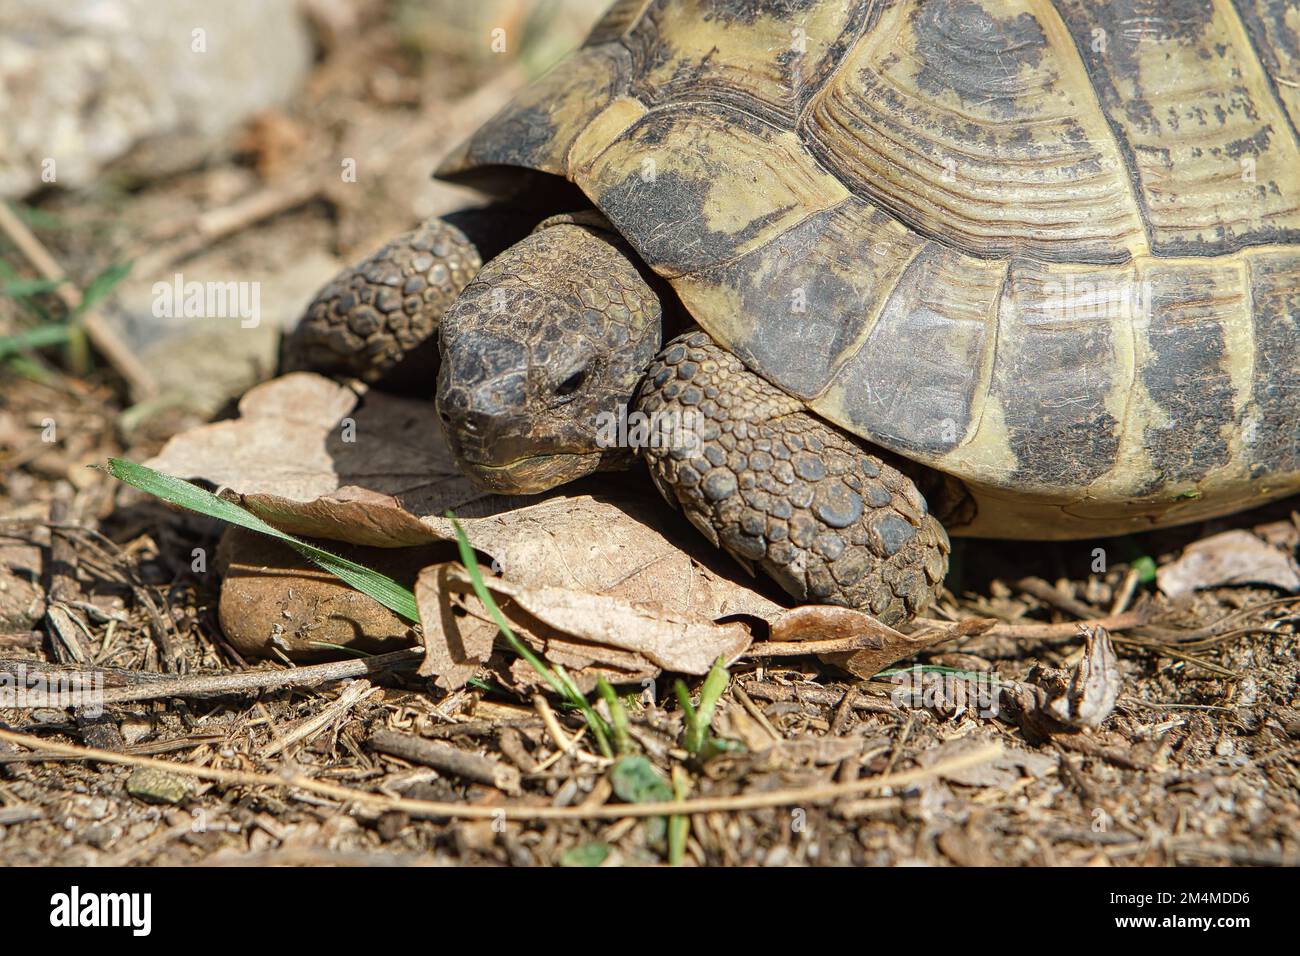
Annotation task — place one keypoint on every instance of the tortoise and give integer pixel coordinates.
(1009, 268)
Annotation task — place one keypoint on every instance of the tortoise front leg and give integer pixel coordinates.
(378, 319)
(779, 488)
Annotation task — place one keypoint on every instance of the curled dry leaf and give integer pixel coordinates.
(456, 644)
(576, 629)
(871, 645)
(1233, 557)
(318, 458)
(1094, 684)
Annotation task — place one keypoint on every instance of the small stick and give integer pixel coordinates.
(64, 588)
(477, 728)
(842, 713)
(819, 695)
(754, 712)
(65, 640)
(353, 693)
(837, 645)
(142, 750)
(1091, 748)
(216, 684)
(29, 639)
(1126, 591)
(553, 728)
(217, 224)
(19, 814)
(1066, 630)
(449, 759)
(1040, 589)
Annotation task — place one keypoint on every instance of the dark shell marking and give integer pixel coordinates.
(778, 488)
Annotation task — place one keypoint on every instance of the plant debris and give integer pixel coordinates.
(1094, 684)
(1231, 557)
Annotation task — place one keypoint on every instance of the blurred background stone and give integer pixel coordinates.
(302, 139)
(85, 82)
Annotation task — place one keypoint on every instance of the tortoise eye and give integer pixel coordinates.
(572, 383)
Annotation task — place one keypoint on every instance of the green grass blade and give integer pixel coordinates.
(37, 338)
(183, 494)
(617, 717)
(102, 285)
(26, 288)
(684, 702)
(560, 681)
(679, 827)
(599, 729)
(714, 686)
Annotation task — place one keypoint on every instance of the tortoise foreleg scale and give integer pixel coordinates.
(780, 489)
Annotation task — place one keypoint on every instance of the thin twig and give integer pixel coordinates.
(1064, 631)
(216, 224)
(1125, 593)
(739, 693)
(838, 645)
(461, 763)
(824, 696)
(101, 334)
(353, 693)
(204, 685)
(560, 738)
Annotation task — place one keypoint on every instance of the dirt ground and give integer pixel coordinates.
(1197, 764)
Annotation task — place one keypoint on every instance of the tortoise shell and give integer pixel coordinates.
(1050, 248)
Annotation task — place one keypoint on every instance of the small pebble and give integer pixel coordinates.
(156, 786)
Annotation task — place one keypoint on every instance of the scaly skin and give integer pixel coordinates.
(554, 331)
(780, 489)
(378, 320)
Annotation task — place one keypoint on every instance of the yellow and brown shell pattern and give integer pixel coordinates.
(1051, 247)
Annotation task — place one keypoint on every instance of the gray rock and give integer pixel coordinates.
(84, 82)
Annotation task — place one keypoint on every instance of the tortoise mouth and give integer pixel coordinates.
(531, 474)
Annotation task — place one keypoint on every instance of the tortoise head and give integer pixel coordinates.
(548, 341)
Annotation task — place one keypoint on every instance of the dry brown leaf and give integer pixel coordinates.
(1233, 557)
(342, 462)
(880, 645)
(1094, 684)
(575, 629)
(456, 644)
